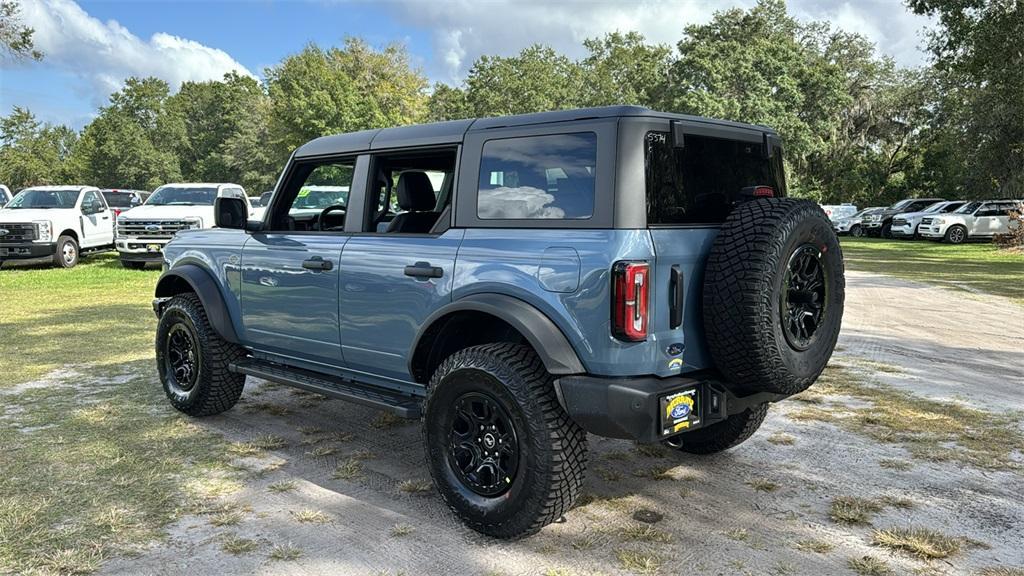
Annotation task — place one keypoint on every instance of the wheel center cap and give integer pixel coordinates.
(489, 440)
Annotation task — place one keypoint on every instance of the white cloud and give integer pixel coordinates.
(104, 54)
(466, 29)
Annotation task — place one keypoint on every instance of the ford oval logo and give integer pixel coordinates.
(4, 232)
(153, 228)
(680, 411)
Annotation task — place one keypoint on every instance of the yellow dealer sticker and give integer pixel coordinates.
(679, 411)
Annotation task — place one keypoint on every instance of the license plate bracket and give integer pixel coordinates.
(153, 247)
(680, 410)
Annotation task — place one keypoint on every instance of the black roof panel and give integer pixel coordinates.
(453, 132)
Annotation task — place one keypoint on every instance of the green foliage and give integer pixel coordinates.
(32, 153)
(16, 38)
(537, 79)
(318, 92)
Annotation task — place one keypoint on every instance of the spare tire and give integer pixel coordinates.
(773, 295)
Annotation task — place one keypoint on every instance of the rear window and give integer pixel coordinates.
(538, 177)
(701, 182)
(121, 199)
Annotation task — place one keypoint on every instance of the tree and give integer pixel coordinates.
(15, 37)
(980, 63)
(624, 69)
(132, 143)
(212, 115)
(318, 92)
(32, 153)
(447, 103)
(535, 80)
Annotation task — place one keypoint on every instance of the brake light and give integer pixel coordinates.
(629, 300)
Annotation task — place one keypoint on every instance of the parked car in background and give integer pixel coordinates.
(260, 204)
(5, 195)
(879, 223)
(839, 211)
(123, 200)
(59, 222)
(574, 278)
(853, 225)
(143, 231)
(905, 225)
(973, 221)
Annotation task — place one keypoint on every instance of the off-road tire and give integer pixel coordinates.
(552, 448)
(723, 435)
(216, 388)
(856, 231)
(744, 295)
(133, 265)
(58, 257)
(958, 237)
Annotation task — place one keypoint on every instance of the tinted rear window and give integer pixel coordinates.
(538, 177)
(120, 200)
(701, 182)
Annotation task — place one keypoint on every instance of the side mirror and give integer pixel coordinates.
(230, 213)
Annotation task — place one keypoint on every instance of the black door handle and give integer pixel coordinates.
(317, 263)
(424, 270)
(677, 294)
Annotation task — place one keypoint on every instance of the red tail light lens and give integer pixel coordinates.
(630, 281)
(764, 192)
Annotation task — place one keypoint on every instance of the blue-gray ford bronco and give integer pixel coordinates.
(516, 283)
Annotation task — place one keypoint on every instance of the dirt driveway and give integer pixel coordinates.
(340, 489)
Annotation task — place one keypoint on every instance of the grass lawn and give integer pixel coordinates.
(974, 267)
(94, 461)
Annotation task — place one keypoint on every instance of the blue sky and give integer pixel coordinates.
(91, 46)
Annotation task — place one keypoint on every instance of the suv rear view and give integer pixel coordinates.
(517, 283)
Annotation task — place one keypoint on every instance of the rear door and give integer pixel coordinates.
(987, 219)
(690, 190)
(291, 271)
(395, 274)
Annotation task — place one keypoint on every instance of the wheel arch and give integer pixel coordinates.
(69, 232)
(503, 318)
(192, 278)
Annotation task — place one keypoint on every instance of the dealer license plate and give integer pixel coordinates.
(680, 411)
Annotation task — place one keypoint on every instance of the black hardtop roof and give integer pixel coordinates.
(453, 132)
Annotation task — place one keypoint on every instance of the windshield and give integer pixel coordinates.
(968, 208)
(320, 197)
(182, 196)
(902, 204)
(30, 198)
(937, 207)
(122, 199)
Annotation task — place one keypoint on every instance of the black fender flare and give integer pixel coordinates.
(205, 287)
(544, 336)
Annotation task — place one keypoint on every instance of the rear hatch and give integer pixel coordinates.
(691, 189)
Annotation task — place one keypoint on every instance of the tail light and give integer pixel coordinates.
(757, 192)
(630, 281)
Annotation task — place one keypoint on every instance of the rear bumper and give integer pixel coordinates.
(27, 250)
(632, 408)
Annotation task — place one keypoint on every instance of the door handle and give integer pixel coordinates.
(424, 270)
(317, 263)
(677, 295)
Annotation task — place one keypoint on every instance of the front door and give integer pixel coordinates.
(291, 269)
(97, 222)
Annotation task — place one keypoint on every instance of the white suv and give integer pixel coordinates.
(905, 225)
(61, 222)
(980, 219)
(143, 231)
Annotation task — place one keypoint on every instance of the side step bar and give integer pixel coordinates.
(403, 405)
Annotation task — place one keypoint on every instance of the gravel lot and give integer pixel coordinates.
(347, 489)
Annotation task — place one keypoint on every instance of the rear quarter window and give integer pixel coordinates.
(701, 182)
(538, 177)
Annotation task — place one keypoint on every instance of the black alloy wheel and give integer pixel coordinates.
(183, 357)
(483, 447)
(804, 296)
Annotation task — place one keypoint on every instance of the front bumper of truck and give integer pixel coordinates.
(27, 250)
(650, 409)
(141, 249)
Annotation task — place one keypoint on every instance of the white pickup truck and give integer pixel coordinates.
(143, 231)
(59, 222)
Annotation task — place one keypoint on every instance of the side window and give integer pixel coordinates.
(538, 177)
(411, 191)
(312, 189)
(988, 210)
(91, 203)
(699, 183)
